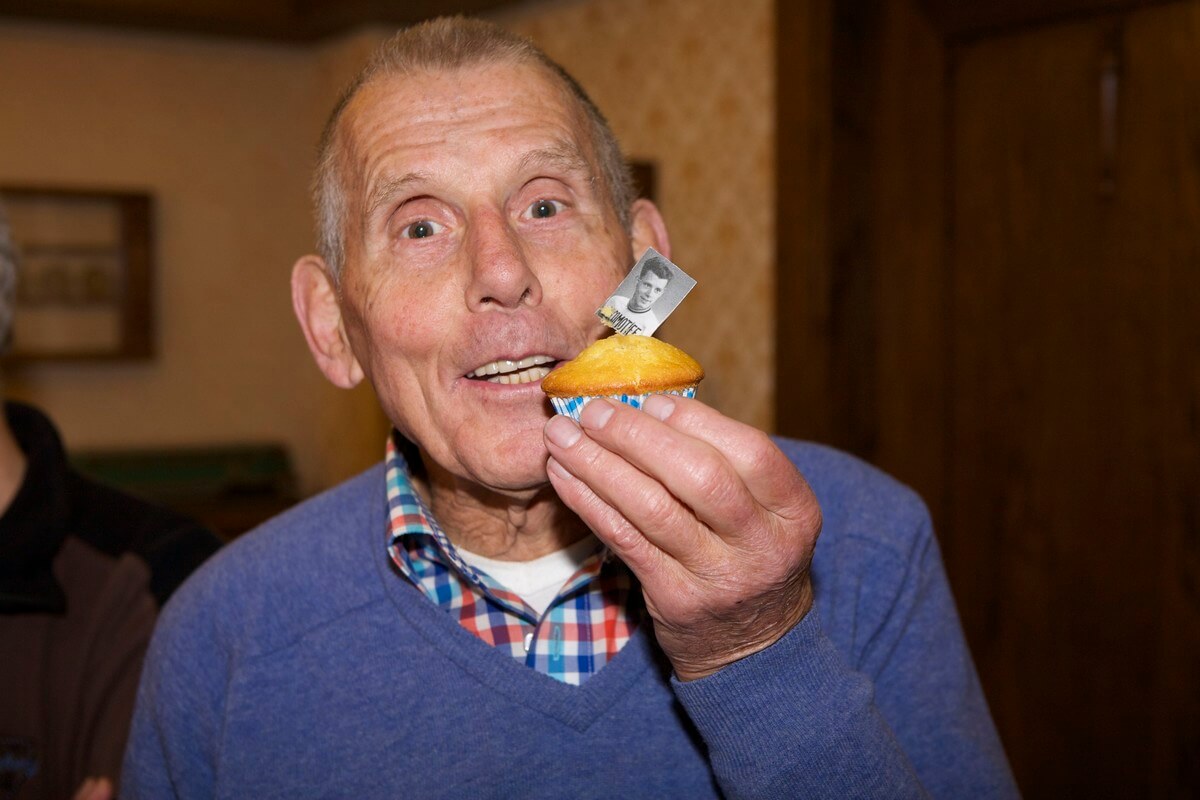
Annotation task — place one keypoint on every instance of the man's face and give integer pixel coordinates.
(480, 235)
(649, 288)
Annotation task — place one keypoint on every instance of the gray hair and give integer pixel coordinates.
(449, 43)
(8, 280)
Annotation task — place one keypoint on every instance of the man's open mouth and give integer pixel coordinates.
(527, 370)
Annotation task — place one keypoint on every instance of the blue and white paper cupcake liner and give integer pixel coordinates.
(573, 406)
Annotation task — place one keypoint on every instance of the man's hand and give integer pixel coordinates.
(713, 519)
(94, 789)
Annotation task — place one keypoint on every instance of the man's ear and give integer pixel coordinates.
(315, 301)
(648, 229)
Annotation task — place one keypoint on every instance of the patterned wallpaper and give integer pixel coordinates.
(689, 85)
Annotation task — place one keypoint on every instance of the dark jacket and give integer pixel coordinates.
(83, 572)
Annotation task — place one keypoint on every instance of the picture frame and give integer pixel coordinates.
(84, 277)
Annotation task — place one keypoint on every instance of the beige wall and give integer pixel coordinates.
(222, 133)
(689, 85)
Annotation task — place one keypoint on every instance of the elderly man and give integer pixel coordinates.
(517, 606)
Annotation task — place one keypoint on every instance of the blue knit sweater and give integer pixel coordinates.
(298, 664)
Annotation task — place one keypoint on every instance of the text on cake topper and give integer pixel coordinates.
(647, 296)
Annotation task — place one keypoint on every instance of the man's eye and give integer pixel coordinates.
(544, 208)
(419, 230)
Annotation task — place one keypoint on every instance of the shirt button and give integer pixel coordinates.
(528, 641)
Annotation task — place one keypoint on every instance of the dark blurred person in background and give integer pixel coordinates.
(83, 572)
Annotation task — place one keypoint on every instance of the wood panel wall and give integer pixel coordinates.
(1005, 317)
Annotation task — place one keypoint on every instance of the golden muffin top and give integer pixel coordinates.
(624, 365)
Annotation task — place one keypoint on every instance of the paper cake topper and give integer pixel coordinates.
(647, 296)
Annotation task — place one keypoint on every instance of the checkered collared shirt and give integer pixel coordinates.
(587, 624)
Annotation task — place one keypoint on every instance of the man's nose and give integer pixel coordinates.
(501, 276)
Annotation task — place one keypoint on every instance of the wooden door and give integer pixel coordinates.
(1075, 280)
(1036, 375)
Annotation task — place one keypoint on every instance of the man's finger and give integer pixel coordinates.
(640, 499)
(694, 471)
(610, 526)
(94, 789)
(766, 471)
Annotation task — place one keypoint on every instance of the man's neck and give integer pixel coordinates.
(499, 526)
(12, 464)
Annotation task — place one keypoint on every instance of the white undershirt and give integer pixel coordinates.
(536, 582)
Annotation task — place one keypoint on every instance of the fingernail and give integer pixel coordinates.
(596, 413)
(559, 470)
(562, 431)
(659, 406)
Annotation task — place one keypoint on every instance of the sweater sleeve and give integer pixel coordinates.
(794, 721)
(890, 707)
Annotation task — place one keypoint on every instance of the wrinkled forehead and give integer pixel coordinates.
(380, 99)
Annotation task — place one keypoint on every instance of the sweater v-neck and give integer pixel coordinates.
(575, 706)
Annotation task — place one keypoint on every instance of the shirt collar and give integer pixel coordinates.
(410, 522)
(408, 516)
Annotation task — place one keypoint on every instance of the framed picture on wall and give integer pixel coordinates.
(84, 275)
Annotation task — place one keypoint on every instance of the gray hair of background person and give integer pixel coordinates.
(8, 280)
(447, 44)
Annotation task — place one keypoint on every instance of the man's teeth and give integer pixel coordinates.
(527, 370)
(524, 376)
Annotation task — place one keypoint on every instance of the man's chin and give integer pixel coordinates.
(517, 468)
(503, 453)
(517, 479)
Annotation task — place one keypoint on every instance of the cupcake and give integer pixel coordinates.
(625, 368)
